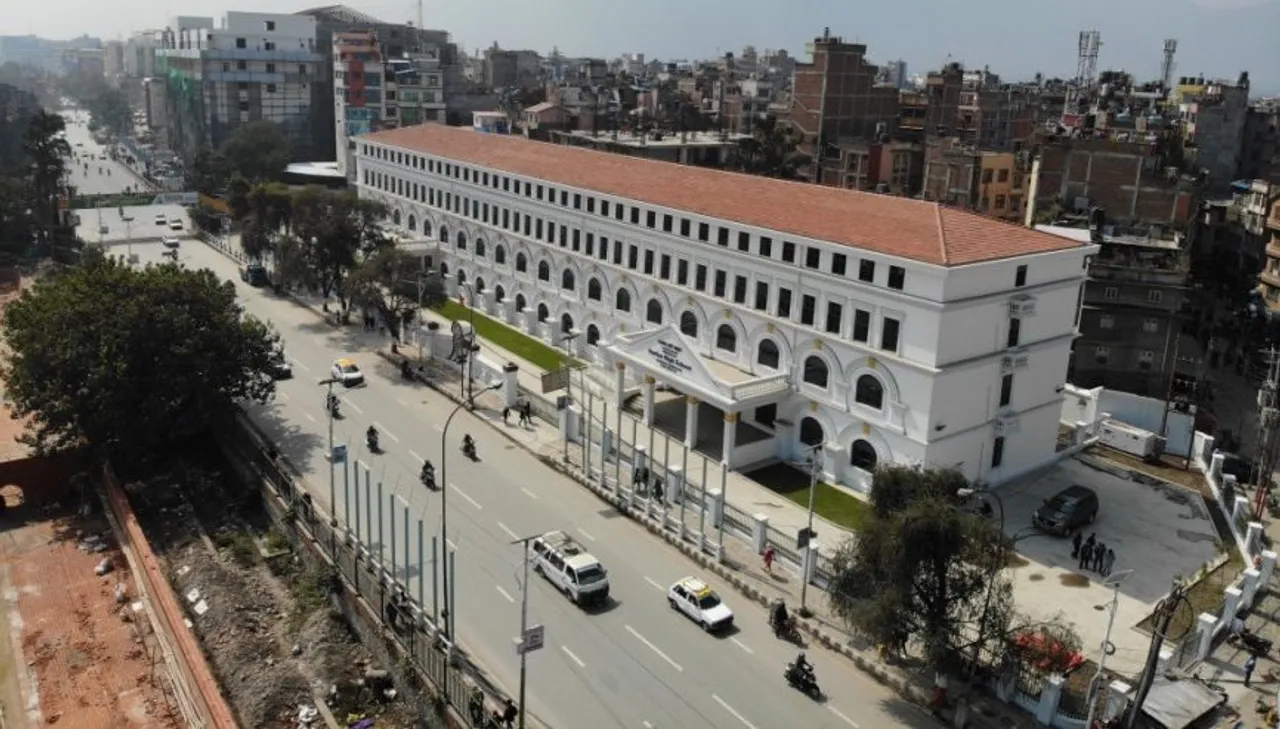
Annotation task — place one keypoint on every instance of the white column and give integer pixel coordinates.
(509, 311)
(691, 422)
(760, 533)
(510, 385)
(619, 383)
(647, 390)
(730, 438)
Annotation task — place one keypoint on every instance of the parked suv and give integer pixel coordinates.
(1067, 510)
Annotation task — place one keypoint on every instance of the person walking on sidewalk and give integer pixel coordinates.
(506, 416)
(1076, 539)
(1086, 552)
(1108, 561)
(768, 559)
(1099, 551)
(1249, 665)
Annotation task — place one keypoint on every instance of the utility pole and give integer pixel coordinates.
(1164, 613)
(531, 639)
(333, 492)
(815, 465)
(1107, 646)
(1265, 448)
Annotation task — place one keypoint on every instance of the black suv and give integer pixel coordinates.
(1067, 510)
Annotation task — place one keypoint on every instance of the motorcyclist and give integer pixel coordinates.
(371, 435)
(331, 403)
(428, 475)
(468, 445)
(803, 668)
(778, 616)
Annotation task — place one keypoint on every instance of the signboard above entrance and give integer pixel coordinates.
(671, 356)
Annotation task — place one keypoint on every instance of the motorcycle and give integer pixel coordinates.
(804, 681)
(786, 629)
(428, 478)
(405, 371)
(469, 449)
(334, 410)
(371, 439)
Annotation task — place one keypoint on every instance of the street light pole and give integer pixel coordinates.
(815, 465)
(1107, 647)
(524, 625)
(333, 494)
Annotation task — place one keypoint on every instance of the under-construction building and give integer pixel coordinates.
(251, 67)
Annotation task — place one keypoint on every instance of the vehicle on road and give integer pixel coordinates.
(700, 603)
(573, 571)
(280, 367)
(254, 274)
(802, 678)
(347, 372)
(160, 219)
(175, 224)
(170, 242)
(1067, 510)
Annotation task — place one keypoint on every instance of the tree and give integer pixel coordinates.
(17, 226)
(257, 151)
(338, 230)
(393, 283)
(109, 110)
(771, 150)
(209, 173)
(131, 362)
(47, 152)
(923, 571)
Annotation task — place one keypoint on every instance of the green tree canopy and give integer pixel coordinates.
(256, 151)
(131, 361)
(109, 110)
(771, 150)
(393, 283)
(338, 230)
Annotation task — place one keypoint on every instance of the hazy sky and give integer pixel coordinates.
(1014, 37)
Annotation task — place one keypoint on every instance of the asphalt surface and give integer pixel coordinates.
(633, 664)
(91, 181)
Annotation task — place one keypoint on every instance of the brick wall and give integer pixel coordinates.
(41, 480)
(1126, 181)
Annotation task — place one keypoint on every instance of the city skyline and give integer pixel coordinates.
(991, 33)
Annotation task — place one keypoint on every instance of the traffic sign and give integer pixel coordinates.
(555, 380)
(340, 453)
(533, 640)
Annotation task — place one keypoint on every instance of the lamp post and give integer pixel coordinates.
(471, 345)
(524, 647)
(567, 340)
(1107, 648)
(815, 465)
(329, 382)
(1000, 562)
(444, 525)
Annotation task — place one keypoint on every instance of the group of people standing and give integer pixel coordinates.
(1091, 554)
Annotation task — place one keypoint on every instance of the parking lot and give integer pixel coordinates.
(1158, 530)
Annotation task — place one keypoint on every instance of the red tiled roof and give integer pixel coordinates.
(895, 226)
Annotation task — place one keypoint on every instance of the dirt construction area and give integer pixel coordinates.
(283, 655)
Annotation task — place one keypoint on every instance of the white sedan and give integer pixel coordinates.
(347, 372)
(700, 603)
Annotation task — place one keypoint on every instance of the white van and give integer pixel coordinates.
(568, 566)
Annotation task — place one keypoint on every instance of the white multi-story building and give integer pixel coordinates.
(882, 329)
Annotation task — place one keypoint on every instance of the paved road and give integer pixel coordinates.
(93, 182)
(636, 664)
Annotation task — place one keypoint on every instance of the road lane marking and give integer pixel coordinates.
(505, 594)
(507, 529)
(576, 659)
(725, 705)
(654, 648)
(742, 645)
(282, 395)
(437, 426)
(586, 534)
(529, 493)
(385, 431)
(403, 402)
(646, 725)
(654, 582)
(301, 366)
(466, 496)
(847, 720)
(420, 458)
(355, 407)
(311, 417)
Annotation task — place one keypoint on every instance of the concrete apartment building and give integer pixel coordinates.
(1260, 150)
(989, 182)
(1269, 279)
(113, 62)
(773, 318)
(251, 67)
(1214, 115)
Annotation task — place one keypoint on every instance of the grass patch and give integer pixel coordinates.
(239, 545)
(831, 503)
(1205, 596)
(504, 336)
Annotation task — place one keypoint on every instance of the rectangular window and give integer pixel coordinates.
(721, 279)
(861, 326)
(564, 196)
(577, 201)
(784, 303)
(1151, 326)
(619, 211)
(682, 272)
(1020, 276)
(537, 229)
(1015, 333)
(1111, 293)
(591, 205)
(838, 263)
(739, 289)
(527, 224)
(1154, 296)
(650, 219)
(788, 252)
(506, 217)
(684, 227)
(590, 248)
(564, 236)
(997, 451)
(635, 216)
(889, 334)
(604, 248)
(766, 247)
(897, 277)
(577, 240)
(700, 277)
(664, 267)
(867, 271)
(617, 253)
(762, 296)
(744, 240)
(835, 312)
(812, 257)
(666, 223)
(648, 262)
(704, 232)
(808, 309)
(633, 257)
(604, 208)
(1006, 390)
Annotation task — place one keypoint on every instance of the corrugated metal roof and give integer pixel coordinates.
(341, 14)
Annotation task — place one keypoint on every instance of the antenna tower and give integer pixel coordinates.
(1166, 67)
(1087, 57)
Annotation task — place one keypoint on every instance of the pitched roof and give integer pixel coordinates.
(895, 226)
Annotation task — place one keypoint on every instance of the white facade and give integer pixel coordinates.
(879, 358)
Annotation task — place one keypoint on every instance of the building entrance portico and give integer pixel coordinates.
(710, 405)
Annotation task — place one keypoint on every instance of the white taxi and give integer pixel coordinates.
(346, 372)
(699, 602)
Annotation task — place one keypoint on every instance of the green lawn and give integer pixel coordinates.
(829, 502)
(504, 336)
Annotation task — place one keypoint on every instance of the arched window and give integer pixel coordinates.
(811, 432)
(480, 247)
(521, 304)
(544, 271)
(869, 392)
(815, 371)
(426, 228)
(462, 277)
(522, 263)
(863, 455)
(566, 324)
(462, 241)
(622, 302)
(653, 312)
(689, 324)
(395, 217)
(499, 294)
(444, 234)
(499, 254)
(726, 338)
(567, 280)
(593, 289)
(767, 354)
(543, 313)
(593, 335)
(413, 223)
(479, 285)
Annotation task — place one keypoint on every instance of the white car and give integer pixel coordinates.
(175, 224)
(161, 220)
(700, 603)
(346, 372)
(169, 242)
